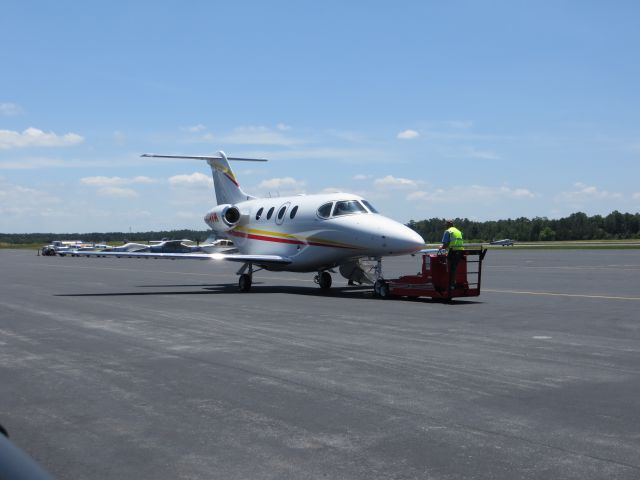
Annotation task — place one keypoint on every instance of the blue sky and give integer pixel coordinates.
(484, 110)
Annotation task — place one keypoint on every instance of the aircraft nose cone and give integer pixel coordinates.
(404, 240)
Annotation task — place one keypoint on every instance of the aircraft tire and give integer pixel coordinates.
(384, 290)
(324, 280)
(244, 282)
(377, 286)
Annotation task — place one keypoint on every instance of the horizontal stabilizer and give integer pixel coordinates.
(205, 157)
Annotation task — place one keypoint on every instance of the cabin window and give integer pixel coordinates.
(270, 213)
(294, 210)
(281, 212)
(325, 210)
(348, 207)
(259, 214)
(370, 207)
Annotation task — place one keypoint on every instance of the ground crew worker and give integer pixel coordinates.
(453, 243)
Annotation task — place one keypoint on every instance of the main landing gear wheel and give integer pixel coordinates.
(244, 282)
(324, 280)
(381, 288)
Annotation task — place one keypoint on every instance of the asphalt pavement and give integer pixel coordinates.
(158, 369)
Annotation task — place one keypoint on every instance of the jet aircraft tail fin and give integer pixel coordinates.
(225, 183)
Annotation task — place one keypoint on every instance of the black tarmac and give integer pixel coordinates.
(158, 369)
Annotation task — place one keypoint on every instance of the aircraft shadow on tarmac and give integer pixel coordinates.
(355, 292)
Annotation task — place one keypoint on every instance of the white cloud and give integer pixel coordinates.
(324, 153)
(433, 196)
(9, 109)
(408, 135)
(395, 182)
(284, 127)
(194, 128)
(41, 162)
(473, 152)
(459, 124)
(585, 193)
(115, 186)
(472, 194)
(36, 162)
(117, 192)
(332, 190)
(636, 196)
(19, 201)
(33, 137)
(258, 136)
(500, 192)
(196, 179)
(361, 177)
(115, 181)
(284, 182)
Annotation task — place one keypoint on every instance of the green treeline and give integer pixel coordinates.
(577, 226)
(109, 237)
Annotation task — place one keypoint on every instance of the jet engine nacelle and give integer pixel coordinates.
(223, 218)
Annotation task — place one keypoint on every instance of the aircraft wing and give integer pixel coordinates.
(429, 250)
(232, 257)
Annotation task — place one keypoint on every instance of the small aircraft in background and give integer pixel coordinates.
(172, 246)
(303, 233)
(505, 242)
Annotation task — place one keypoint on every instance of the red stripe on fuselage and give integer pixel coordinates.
(253, 236)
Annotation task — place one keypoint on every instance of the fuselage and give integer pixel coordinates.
(315, 231)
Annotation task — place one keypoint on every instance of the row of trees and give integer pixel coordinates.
(577, 226)
(101, 237)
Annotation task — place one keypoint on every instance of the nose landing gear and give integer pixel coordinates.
(323, 279)
(380, 287)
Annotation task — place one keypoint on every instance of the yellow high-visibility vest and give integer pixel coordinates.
(455, 239)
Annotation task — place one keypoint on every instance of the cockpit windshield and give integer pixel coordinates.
(345, 207)
(325, 210)
(348, 207)
(369, 206)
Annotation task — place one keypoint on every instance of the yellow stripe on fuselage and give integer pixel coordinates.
(322, 242)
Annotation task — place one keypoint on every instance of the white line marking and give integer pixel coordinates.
(553, 294)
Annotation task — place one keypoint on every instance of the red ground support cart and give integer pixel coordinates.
(433, 280)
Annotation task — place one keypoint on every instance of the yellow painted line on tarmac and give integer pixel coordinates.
(553, 294)
(623, 268)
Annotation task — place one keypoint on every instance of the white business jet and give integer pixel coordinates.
(303, 233)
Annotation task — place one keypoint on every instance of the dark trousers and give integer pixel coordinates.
(453, 258)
